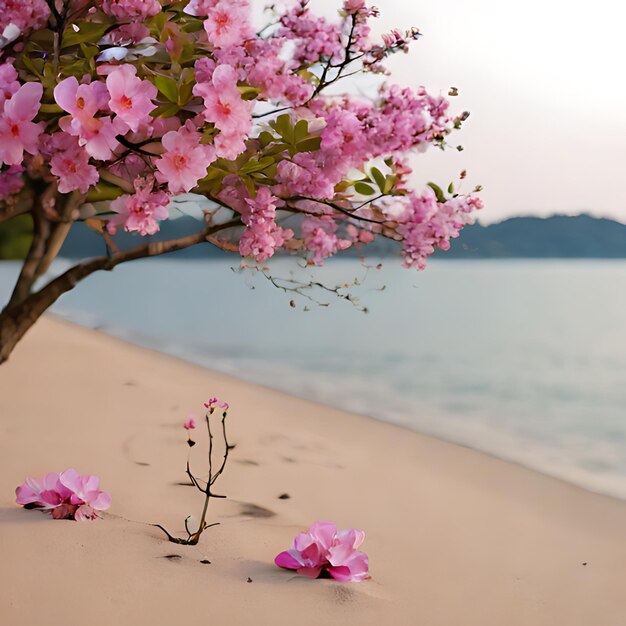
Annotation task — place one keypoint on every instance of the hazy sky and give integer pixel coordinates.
(544, 82)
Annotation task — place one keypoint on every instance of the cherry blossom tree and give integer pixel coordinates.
(109, 109)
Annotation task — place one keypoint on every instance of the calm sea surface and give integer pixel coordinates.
(522, 359)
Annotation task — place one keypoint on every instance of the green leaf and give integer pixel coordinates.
(256, 166)
(90, 32)
(438, 192)
(266, 138)
(301, 131)
(364, 189)
(102, 191)
(50, 108)
(184, 94)
(43, 38)
(157, 23)
(451, 188)
(248, 93)
(165, 110)
(309, 145)
(378, 177)
(35, 66)
(89, 50)
(285, 128)
(250, 186)
(276, 149)
(167, 86)
(390, 182)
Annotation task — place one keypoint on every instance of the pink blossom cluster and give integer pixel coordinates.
(66, 495)
(262, 235)
(323, 550)
(226, 110)
(141, 211)
(131, 9)
(320, 238)
(403, 119)
(171, 98)
(424, 224)
(315, 37)
(25, 15)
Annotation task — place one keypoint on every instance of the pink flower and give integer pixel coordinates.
(200, 7)
(82, 102)
(8, 82)
(190, 423)
(211, 403)
(229, 145)
(323, 549)
(224, 106)
(131, 97)
(65, 495)
(185, 161)
(45, 492)
(140, 212)
(346, 563)
(227, 23)
(353, 6)
(86, 494)
(18, 133)
(71, 165)
(135, 9)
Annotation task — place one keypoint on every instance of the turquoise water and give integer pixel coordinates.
(525, 360)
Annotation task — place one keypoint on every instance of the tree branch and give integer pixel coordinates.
(74, 275)
(19, 205)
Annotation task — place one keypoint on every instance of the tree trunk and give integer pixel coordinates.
(14, 323)
(17, 318)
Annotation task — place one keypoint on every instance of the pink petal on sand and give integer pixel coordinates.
(286, 560)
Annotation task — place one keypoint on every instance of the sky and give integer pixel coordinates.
(544, 83)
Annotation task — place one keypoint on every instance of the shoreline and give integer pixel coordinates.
(122, 336)
(454, 536)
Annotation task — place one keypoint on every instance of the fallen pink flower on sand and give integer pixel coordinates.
(67, 495)
(322, 550)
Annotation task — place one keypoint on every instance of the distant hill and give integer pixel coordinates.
(559, 236)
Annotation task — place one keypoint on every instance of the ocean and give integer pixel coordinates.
(522, 359)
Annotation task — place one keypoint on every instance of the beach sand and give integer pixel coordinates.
(455, 537)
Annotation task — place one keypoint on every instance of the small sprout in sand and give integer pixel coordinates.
(195, 527)
(324, 551)
(66, 495)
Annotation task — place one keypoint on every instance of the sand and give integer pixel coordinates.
(455, 537)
